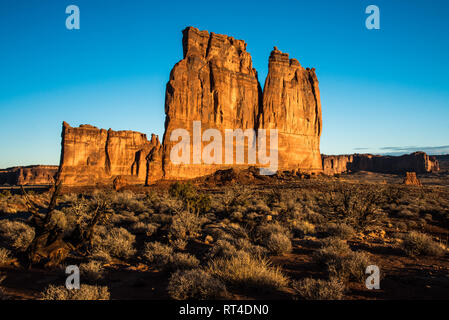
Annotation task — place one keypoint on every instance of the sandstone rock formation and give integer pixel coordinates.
(411, 179)
(215, 87)
(92, 156)
(29, 175)
(214, 83)
(291, 104)
(418, 162)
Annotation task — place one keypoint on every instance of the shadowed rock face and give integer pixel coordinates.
(418, 162)
(90, 156)
(30, 175)
(291, 104)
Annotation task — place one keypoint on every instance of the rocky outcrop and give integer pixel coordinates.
(418, 162)
(411, 179)
(29, 175)
(213, 87)
(291, 104)
(216, 84)
(91, 156)
(336, 164)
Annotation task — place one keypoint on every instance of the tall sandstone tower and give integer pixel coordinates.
(291, 104)
(215, 83)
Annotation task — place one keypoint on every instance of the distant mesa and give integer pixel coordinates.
(418, 162)
(29, 175)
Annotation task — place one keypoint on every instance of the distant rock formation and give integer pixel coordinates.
(29, 175)
(411, 179)
(91, 156)
(443, 161)
(418, 162)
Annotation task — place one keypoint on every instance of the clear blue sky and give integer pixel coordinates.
(383, 91)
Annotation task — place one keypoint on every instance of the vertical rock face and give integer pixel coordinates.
(90, 155)
(214, 83)
(291, 104)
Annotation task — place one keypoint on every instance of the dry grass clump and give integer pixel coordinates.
(86, 292)
(195, 284)
(16, 234)
(341, 261)
(162, 256)
(186, 225)
(275, 237)
(5, 255)
(339, 230)
(118, 242)
(278, 243)
(245, 271)
(317, 289)
(416, 243)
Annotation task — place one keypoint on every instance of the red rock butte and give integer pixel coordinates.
(214, 83)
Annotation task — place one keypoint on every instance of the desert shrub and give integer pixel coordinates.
(5, 255)
(157, 253)
(186, 225)
(245, 271)
(278, 243)
(341, 261)
(162, 256)
(195, 284)
(86, 292)
(57, 219)
(92, 271)
(183, 261)
(16, 234)
(194, 201)
(339, 230)
(416, 243)
(355, 205)
(144, 228)
(302, 228)
(317, 289)
(101, 256)
(231, 247)
(179, 244)
(118, 242)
